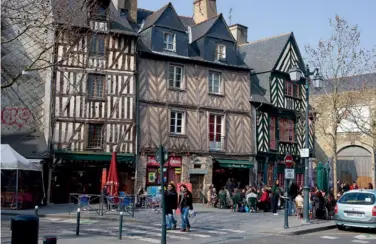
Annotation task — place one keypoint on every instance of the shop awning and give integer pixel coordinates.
(95, 156)
(232, 163)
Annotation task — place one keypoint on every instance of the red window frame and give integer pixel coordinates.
(286, 130)
(299, 180)
(215, 127)
(289, 88)
(272, 133)
(281, 179)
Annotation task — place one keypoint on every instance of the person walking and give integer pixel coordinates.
(171, 198)
(293, 192)
(185, 202)
(275, 197)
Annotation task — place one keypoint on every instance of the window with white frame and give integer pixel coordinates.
(177, 122)
(220, 53)
(216, 132)
(169, 41)
(175, 76)
(215, 82)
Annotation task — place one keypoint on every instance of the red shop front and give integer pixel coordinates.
(172, 170)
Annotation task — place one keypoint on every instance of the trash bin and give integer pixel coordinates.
(25, 229)
(49, 240)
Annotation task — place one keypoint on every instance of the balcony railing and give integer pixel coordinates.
(217, 143)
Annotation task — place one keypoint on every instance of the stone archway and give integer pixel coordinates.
(355, 163)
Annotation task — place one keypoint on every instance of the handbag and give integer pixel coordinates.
(192, 213)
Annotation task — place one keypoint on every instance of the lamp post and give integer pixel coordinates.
(297, 75)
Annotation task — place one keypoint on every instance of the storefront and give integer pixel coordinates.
(172, 170)
(81, 172)
(225, 169)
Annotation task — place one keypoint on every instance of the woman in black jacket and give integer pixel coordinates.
(171, 199)
(185, 202)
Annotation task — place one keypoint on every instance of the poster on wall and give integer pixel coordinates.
(188, 185)
(151, 177)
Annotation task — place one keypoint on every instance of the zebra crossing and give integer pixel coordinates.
(360, 238)
(150, 233)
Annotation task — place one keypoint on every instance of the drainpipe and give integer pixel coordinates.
(138, 126)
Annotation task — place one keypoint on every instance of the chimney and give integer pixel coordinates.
(131, 6)
(204, 10)
(240, 33)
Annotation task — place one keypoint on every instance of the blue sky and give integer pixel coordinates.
(309, 20)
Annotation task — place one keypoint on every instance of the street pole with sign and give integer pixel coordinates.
(161, 157)
(289, 175)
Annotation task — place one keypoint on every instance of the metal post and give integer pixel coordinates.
(306, 160)
(121, 225)
(133, 200)
(36, 210)
(163, 237)
(102, 203)
(78, 222)
(17, 188)
(286, 222)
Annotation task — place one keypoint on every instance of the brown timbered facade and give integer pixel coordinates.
(94, 92)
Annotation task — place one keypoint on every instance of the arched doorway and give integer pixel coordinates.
(354, 163)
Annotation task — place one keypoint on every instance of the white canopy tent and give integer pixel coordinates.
(12, 160)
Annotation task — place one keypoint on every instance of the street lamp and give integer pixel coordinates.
(299, 76)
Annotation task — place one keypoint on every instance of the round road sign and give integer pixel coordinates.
(289, 161)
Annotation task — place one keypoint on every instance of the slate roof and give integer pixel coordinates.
(202, 28)
(75, 12)
(358, 82)
(151, 19)
(262, 55)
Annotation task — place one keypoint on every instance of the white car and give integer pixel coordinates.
(356, 208)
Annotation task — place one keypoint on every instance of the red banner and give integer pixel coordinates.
(174, 162)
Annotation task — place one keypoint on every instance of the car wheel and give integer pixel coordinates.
(341, 227)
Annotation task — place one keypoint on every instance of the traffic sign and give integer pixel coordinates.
(289, 174)
(304, 152)
(289, 161)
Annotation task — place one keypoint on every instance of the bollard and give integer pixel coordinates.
(78, 222)
(36, 210)
(25, 229)
(50, 240)
(121, 226)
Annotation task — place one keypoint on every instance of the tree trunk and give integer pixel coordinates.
(334, 156)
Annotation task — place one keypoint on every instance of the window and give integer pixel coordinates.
(98, 13)
(300, 180)
(220, 53)
(361, 198)
(95, 136)
(289, 88)
(216, 138)
(96, 85)
(297, 91)
(215, 82)
(177, 122)
(272, 128)
(281, 179)
(97, 45)
(169, 42)
(286, 130)
(175, 76)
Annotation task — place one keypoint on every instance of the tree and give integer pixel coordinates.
(339, 59)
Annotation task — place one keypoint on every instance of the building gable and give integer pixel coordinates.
(289, 57)
(170, 19)
(220, 30)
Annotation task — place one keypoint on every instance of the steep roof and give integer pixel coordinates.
(75, 12)
(202, 28)
(262, 55)
(153, 18)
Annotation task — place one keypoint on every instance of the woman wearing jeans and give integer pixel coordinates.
(185, 202)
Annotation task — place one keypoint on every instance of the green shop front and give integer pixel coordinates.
(224, 169)
(82, 172)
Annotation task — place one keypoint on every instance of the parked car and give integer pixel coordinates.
(356, 208)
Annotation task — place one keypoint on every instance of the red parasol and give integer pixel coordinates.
(112, 178)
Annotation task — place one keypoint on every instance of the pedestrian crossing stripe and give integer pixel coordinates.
(159, 234)
(71, 221)
(359, 241)
(329, 237)
(365, 237)
(171, 231)
(216, 231)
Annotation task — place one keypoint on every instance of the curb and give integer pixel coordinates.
(73, 216)
(306, 231)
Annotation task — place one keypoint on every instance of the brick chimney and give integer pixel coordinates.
(130, 6)
(240, 33)
(204, 10)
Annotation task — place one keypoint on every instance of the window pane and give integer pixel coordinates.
(177, 84)
(219, 119)
(179, 115)
(172, 129)
(178, 129)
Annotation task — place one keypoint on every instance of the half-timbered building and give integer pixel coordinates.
(93, 95)
(278, 105)
(194, 99)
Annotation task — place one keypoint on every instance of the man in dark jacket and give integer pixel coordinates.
(185, 203)
(293, 192)
(171, 199)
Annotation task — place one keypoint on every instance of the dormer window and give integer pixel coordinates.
(169, 42)
(98, 13)
(220, 53)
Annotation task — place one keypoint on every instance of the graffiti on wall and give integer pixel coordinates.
(12, 116)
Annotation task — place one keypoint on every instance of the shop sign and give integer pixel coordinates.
(175, 161)
(178, 171)
(238, 166)
(151, 161)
